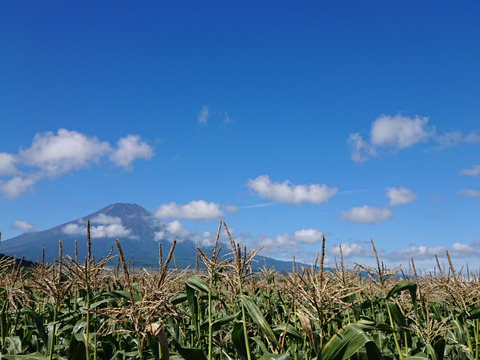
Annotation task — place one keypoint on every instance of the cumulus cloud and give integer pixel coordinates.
(129, 149)
(349, 250)
(276, 243)
(459, 250)
(395, 132)
(195, 210)
(106, 219)
(7, 164)
(366, 214)
(16, 186)
(96, 232)
(172, 230)
(52, 155)
(203, 115)
(417, 253)
(308, 236)
(400, 196)
(473, 171)
(291, 194)
(469, 193)
(65, 151)
(399, 131)
(23, 226)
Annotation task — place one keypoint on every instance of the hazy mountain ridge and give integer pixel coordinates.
(136, 228)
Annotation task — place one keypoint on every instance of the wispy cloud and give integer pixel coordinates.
(473, 171)
(203, 115)
(286, 192)
(52, 155)
(257, 205)
(469, 193)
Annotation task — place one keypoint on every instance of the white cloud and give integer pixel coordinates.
(51, 155)
(195, 210)
(16, 186)
(349, 250)
(361, 151)
(399, 131)
(308, 236)
(129, 149)
(176, 229)
(74, 229)
(473, 171)
(106, 219)
(23, 226)
(7, 164)
(203, 115)
(366, 214)
(469, 193)
(96, 232)
(63, 152)
(400, 196)
(459, 250)
(108, 231)
(290, 194)
(417, 252)
(277, 243)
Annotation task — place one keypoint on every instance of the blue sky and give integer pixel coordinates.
(353, 120)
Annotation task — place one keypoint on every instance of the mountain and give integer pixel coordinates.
(138, 231)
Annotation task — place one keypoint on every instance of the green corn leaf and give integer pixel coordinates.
(290, 331)
(345, 343)
(275, 357)
(189, 353)
(397, 314)
(197, 284)
(35, 356)
(258, 319)
(419, 356)
(178, 298)
(439, 347)
(238, 340)
(217, 324)
(122, 294)
(370, 352)
(405, 285)
(369, 324)
(475, 313)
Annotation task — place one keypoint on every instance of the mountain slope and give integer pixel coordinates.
(138, 231)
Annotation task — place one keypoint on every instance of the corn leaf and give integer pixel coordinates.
(196, 283)
(259, 319)
(275, 357)
(345, 343)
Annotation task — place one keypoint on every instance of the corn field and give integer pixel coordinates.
(94, 309)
